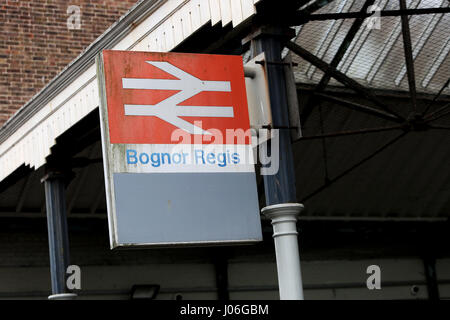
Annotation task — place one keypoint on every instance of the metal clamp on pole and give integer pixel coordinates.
(58, 240)
(284, 221)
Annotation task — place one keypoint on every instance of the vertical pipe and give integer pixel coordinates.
(58, 241)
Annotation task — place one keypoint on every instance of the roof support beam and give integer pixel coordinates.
(344, 46)
(78, 187)
(300, 17)
(357, 45)
(436, 97)
(382, 93)
(100, 195)
(316, 5)
(23, 193)
(329, 35)
(439, 113)
(339, 76)
(336, 59)
(359, 107)
(351, 133)
(409, 58)
(440, 127)
(355, 166)
(432, 23)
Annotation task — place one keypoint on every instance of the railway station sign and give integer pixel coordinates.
(177, 149)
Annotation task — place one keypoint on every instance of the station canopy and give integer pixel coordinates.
(374, 100)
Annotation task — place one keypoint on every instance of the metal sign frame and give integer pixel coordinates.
(238, 224)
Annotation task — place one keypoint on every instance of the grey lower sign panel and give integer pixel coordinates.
(186, 208)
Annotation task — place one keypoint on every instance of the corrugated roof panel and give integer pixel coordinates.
(376, 56)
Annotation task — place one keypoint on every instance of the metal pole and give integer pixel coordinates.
(430, 274)
(280, 188)
(58, 241)
(221, 268)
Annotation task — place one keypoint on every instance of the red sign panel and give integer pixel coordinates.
(149, 95)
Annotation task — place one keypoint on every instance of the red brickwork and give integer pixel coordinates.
(36, 43)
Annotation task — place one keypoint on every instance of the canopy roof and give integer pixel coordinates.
(363, 155)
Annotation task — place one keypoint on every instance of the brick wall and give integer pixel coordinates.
(36, 43)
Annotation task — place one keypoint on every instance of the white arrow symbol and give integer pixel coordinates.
(168, 109)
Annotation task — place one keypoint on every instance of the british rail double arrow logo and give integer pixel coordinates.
(169, 109)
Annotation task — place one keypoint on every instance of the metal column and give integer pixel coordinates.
(280, 188)
(429, 264)
(221, 269)
(54, 185)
